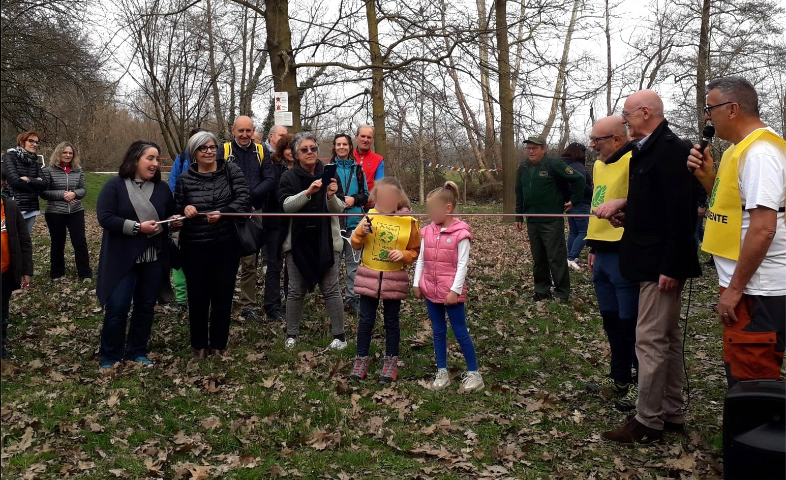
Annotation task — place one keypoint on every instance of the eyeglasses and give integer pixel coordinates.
(598, 139)
(34, 142)
(207, 148)
(313, 149)
(708, 108)
(628, 114)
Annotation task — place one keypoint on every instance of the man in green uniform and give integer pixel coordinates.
(537, 191)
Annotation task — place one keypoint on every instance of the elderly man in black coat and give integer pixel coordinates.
(657, 250)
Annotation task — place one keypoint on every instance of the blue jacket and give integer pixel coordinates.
(178, 168)
(353, 180)
(261, 178)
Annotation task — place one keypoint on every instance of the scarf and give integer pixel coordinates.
(140, 200)
(23, 154)
(312, 237)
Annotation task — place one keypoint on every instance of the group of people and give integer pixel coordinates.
(643, 194)
(651, 189)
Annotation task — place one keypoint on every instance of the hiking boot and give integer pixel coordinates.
(389, 371)
(359, 369)
(673, 427)
(250, 314)
(538, 297)
(276, 315)
(608, 386)
(441, 380)
(471, 382)
(633, 432)
(628, 401)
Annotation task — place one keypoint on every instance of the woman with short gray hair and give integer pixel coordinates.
(208, 243)
(313, 244)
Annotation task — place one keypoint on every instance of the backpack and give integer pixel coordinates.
(564, 186)
(229, 157)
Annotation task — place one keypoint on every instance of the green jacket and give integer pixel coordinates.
(537, 190)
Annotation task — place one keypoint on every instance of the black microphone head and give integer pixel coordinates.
(708, 132)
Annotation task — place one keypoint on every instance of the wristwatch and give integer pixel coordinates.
(137, 226)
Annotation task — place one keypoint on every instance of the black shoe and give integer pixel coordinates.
(537, 297)
(250, 314)
(608, 386)
(628, 401)
(673, 427)
(276, 315)
(181, 309)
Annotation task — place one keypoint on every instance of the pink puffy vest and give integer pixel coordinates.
(440, 260)
(384, 285)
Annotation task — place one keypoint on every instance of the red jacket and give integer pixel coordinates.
(440, 260)
(370, 162)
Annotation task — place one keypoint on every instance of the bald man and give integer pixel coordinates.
(618, 297)
(261, 179)
(657, 250)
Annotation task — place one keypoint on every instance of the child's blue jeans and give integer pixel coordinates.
(458, 322)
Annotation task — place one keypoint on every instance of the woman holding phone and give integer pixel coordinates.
(134, 253)
(313, 245)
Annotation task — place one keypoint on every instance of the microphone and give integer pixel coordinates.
(706, 134)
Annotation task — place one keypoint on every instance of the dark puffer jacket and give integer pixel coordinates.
(208, 192)
(24, 165)
(58, 182)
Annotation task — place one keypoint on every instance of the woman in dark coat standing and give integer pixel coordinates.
(208, 243)
(25, 177)
(134, 253)
(65, 190)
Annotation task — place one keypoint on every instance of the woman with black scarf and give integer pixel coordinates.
(313, 244)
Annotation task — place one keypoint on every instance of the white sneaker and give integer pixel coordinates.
(337, 344)
(441, 380)
(574, 265)
(290, 342)
(471, 382)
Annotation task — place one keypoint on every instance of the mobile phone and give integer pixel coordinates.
(368, 219)
(328, 173)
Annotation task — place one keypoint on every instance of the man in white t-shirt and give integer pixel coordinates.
(746, 230)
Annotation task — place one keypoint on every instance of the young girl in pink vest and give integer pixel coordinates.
(440, 278)
(389, 244)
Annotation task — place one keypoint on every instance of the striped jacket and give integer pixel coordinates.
(59, 182)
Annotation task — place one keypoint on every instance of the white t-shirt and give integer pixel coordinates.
(762, 181)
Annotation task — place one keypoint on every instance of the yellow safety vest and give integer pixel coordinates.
(723, 231)
(231, 158)
(611, 183)
(388, 233)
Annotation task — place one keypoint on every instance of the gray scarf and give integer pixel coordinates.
(140, 199)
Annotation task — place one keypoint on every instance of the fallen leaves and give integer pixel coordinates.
(322, 440)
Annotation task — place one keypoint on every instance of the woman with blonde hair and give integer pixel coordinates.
(65, 189)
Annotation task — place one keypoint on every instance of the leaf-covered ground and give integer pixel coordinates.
(265, 412)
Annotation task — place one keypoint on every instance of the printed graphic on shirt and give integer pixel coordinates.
(387, 240)
(543, 173)
(599, 196)
(569, 170)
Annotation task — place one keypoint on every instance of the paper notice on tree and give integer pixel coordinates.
(281, 101)
(283, 118)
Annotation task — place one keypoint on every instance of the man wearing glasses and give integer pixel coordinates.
(657, 250)
(746, 230)
(618, 297)
(537, 192)
(261, 180)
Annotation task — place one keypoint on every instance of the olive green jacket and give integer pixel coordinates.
(537, 190)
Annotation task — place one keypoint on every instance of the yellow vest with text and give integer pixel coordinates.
(388, 233)
(723, 231)
(611, 183)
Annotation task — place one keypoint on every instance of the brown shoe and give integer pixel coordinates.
(673, 427)
(633, 432)
(200, 354)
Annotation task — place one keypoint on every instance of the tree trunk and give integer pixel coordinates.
(608, 61)
(220, 125)
(282, 59)
(377, 81)
(490, 140)
(563, 65)
(506, 110)
(702, 64)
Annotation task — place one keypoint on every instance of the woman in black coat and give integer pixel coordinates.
(208, 243)
(134, 253)
(25, 177)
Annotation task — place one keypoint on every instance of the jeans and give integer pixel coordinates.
(618, 300)
(29, 223)
(577, 238)
(331, 293)
(140, 286)
(351, 263)
(211, 271)
(74, 223)
(549, 258)
(8, 287)
(698, 235)
(458, 322)
(368, 316)
(274, 260)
